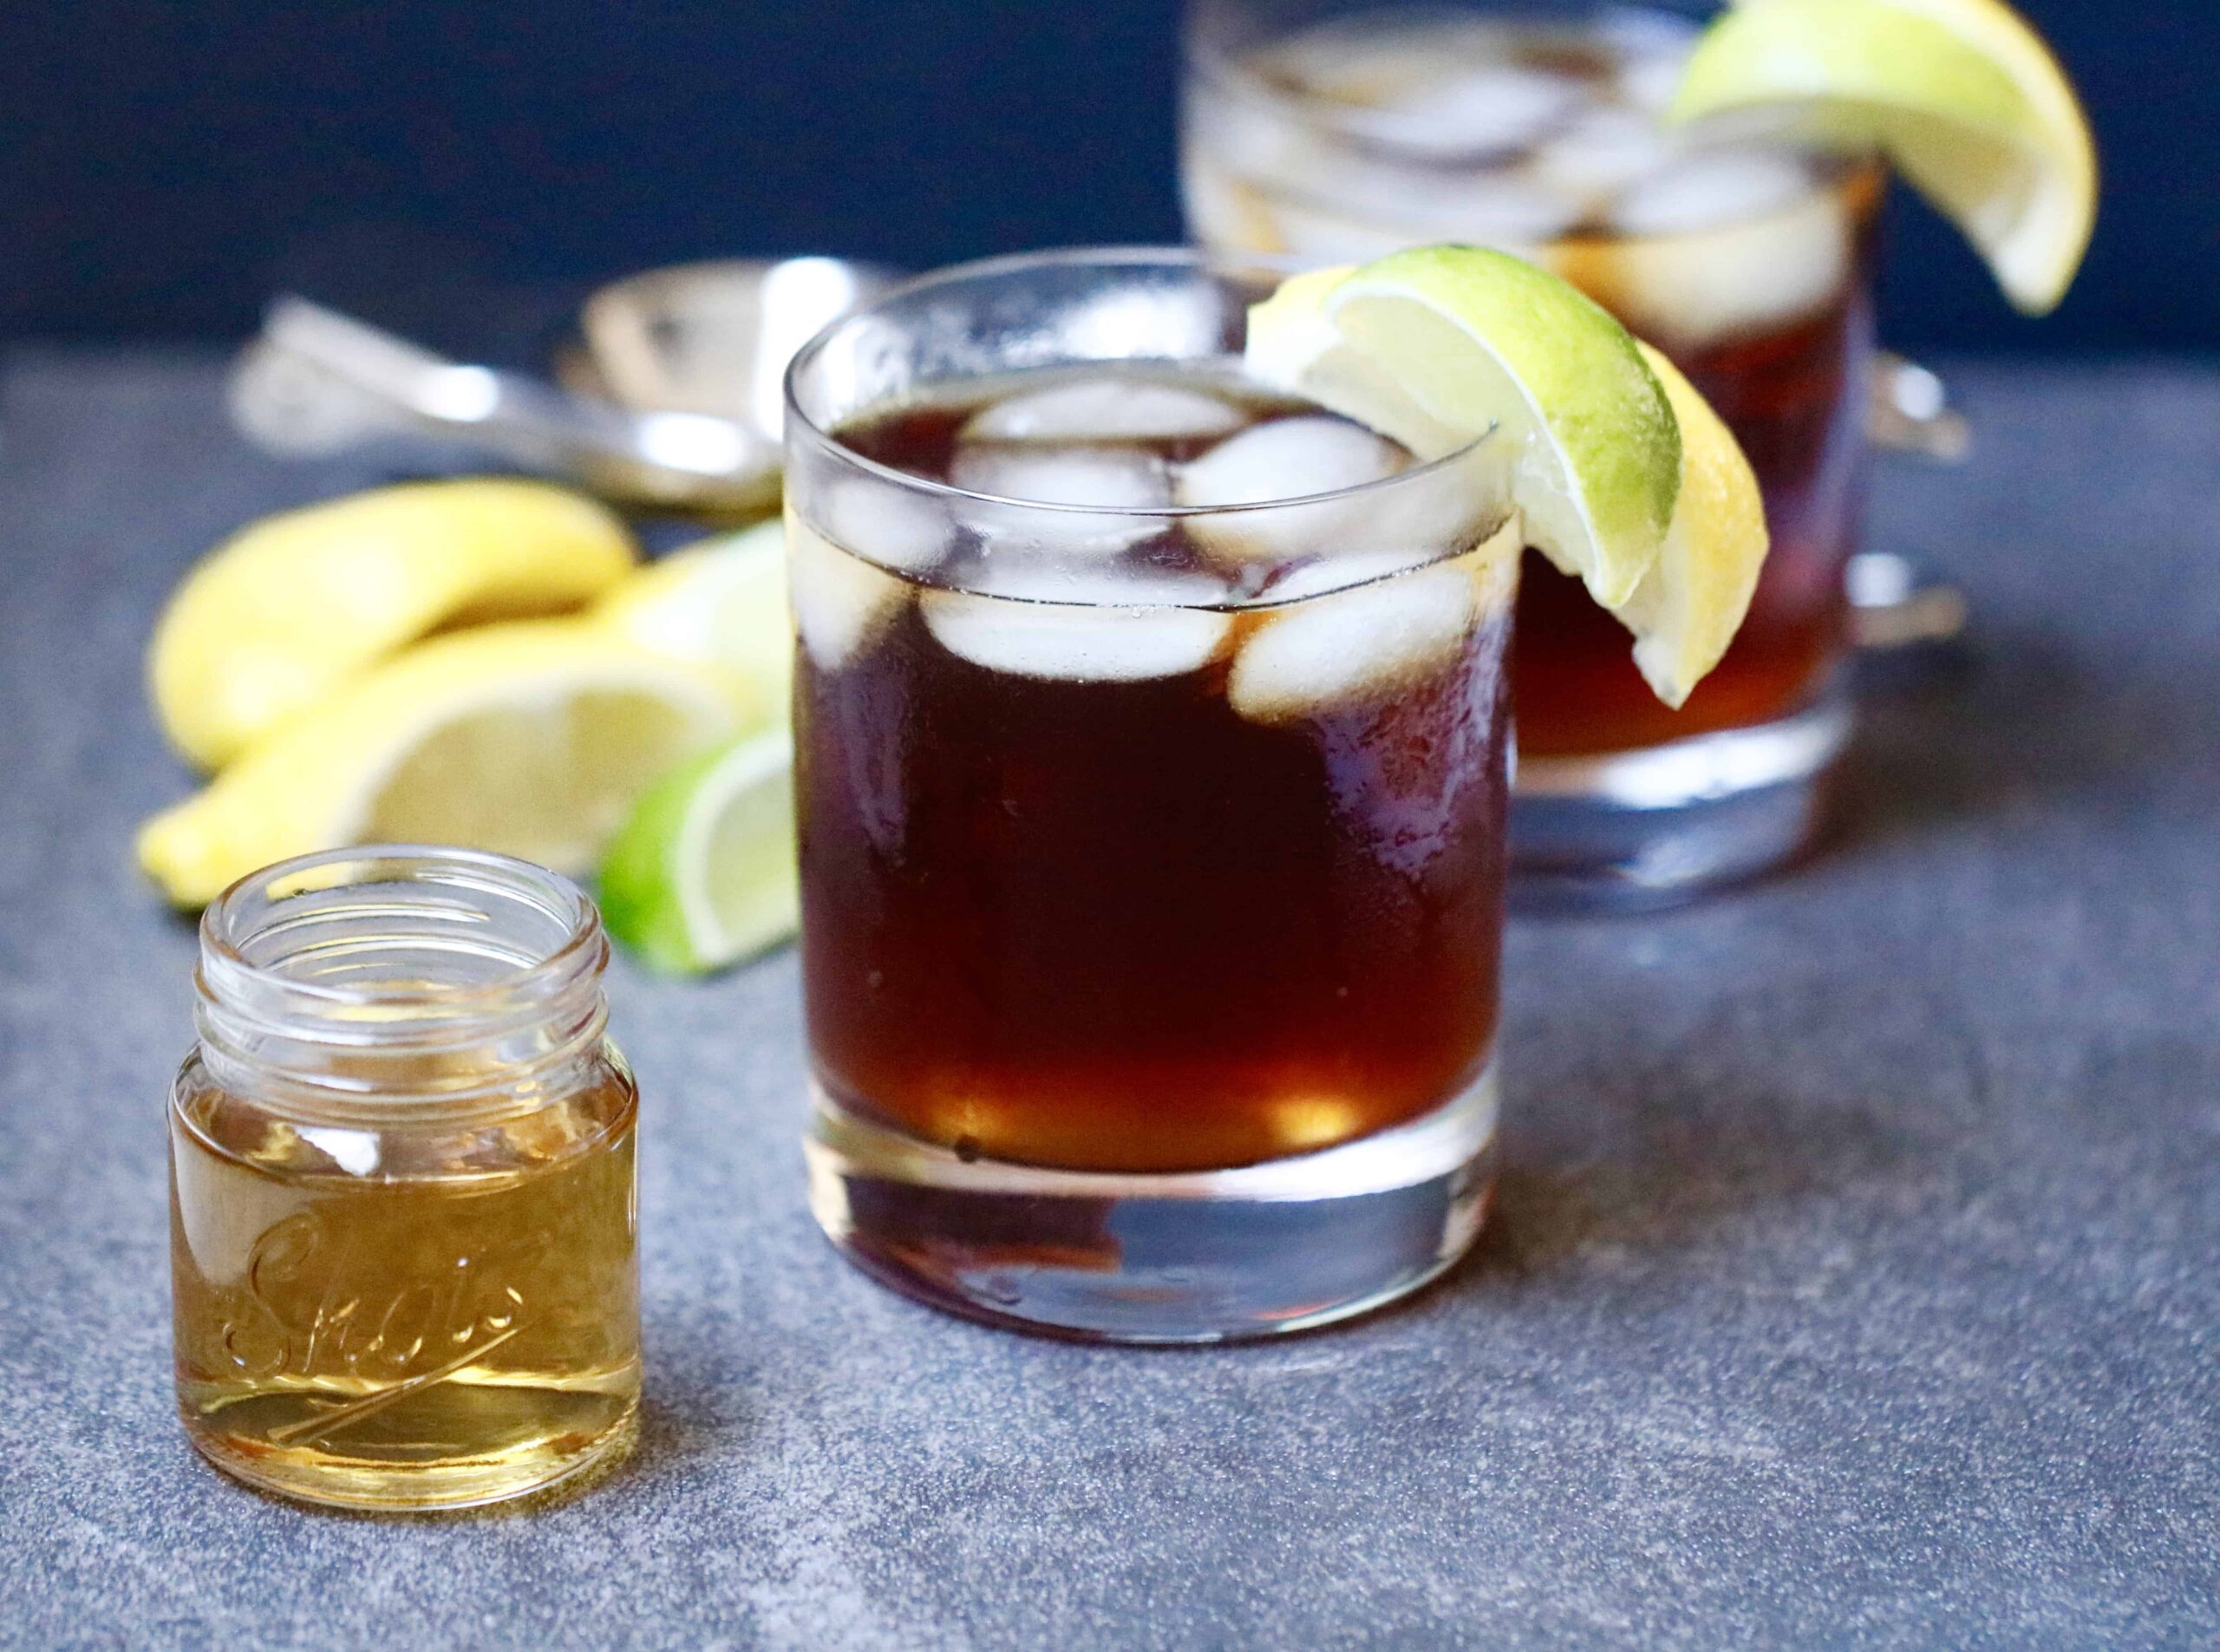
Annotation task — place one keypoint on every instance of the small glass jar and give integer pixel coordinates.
(403, 1216)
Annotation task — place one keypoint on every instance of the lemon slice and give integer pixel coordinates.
(1961, 94)
(534, 738)
(703, 876)
(287, 610)
(1437, 345)
(720, 603)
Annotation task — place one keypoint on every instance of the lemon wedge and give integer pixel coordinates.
(1962, 95)
(703, 876)
(719, 602)
(534, 737)
(292, 608)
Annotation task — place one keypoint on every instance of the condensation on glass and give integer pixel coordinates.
(403, 1220)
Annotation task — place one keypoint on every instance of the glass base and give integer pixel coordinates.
(1199, 1256)
(1649, 828)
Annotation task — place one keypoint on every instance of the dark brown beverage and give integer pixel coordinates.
(1223, 887)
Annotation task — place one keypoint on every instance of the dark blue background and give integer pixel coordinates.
(166, 164)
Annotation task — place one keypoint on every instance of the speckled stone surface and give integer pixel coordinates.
(1854, 1282)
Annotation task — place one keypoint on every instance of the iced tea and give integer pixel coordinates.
(1146, 842)
(1151, 737)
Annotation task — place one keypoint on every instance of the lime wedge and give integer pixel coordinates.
(1961, 94)
(1624, 474)
(1437, 345)
(703, 876)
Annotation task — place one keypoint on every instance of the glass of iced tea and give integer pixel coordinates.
(1151, 777)
(1337, 132)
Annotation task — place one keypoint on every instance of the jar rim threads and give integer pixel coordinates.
(392, 975)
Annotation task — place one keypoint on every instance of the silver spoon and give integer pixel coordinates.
(318, 382)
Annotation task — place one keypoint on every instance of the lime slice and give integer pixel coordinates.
(1961, 94)
(534, 738)
(719, 602)
(1436, 345)
(703, 876)
(296, 606)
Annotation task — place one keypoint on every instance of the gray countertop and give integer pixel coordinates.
(1854, 1279)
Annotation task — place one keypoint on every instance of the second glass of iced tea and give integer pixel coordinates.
(1151, 774)
(1339, 130)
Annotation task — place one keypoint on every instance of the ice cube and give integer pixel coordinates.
(1104, 409)
(1249, 140)
(1316, 236)
(1710, 187)
(1361, 60)
(1355, 647)
(1698, 288)
(1650, 75)
(1376, 210)
(884, 523)
(1485, 109)
(1036, 576)
(1601, 153)
(1649, 50)
(841, 602)
(1333, 573)
(1073, 644)
(1427, 518)
(1287, 459)
(1226, 211)
(1108, 478)
(1503, 210)
(1358, 197)
(1486, 562)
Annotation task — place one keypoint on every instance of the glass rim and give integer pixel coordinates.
(1210, 60)
(229, 922)
(1136, 257)
(1196, 50)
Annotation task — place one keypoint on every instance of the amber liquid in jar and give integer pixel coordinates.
(405, 1278)
(475, 1321)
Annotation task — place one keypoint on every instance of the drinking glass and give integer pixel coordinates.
(1151, 855)
(1339, 130)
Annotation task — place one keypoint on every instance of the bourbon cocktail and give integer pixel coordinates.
(1151, 746)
